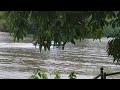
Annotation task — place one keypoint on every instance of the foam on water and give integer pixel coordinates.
(20, 60)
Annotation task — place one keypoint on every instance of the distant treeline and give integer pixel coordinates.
(3, 25)
(4, 28)
(110, 32)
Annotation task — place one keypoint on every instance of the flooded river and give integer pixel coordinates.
(20, 60)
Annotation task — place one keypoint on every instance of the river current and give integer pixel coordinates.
(20, 60)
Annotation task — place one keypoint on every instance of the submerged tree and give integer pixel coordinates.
(64, 26)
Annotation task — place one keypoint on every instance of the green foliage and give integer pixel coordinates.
(3, 24)
(18, 22)
(114, 48)
(72, 75)
(111, 32)
(61, 26)
(57, 75)
(39, 74)
(57, 26)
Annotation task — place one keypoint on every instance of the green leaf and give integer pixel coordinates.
(72, 76)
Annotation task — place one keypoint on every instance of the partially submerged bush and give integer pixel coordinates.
(114, 49)
(40, 74)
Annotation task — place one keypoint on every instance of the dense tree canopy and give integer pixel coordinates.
(64, 26)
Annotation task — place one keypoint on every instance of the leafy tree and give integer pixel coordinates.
(64, 26)
(114, 48)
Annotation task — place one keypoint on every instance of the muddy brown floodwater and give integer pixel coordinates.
(20, 60)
